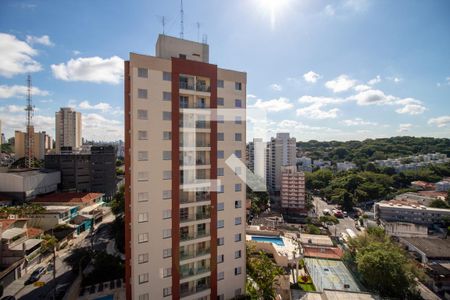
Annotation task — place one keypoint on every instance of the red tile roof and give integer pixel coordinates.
(68, 198)
(6, 223)
(323, 252)
(423, 184)
(433, 194)
(33, 232)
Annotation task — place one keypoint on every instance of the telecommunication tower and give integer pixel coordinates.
(29, 141)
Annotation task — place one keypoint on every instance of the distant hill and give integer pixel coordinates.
(362, 152)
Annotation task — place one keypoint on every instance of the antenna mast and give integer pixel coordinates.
(182, 21)
(198, 31)
(29, 142)
(163, 21)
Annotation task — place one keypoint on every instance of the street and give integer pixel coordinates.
(343, 224)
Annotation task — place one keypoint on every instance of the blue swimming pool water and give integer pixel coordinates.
(269, 239)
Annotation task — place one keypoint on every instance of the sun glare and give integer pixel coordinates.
(273, 8)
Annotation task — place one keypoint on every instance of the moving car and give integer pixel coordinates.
(35, 275)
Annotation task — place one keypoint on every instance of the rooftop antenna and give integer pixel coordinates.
(198, 31)
(29, 157)
(182, 21)
(163, 21)
(205, 39)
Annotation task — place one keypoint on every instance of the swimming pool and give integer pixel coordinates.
(269, 239)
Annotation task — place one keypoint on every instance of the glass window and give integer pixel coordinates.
(220, 223)
(237, 221)
(143, 72)
(237, 292)
(167, 291)
(220, 102)
(220, 83)
(220, 172)
(237, 271)
(237, 187)
(142, 93)
(237, 237)
(142, 176)
(167, 194)
(220, 154)
(142, 196)
(238, 153)
(238, 120)
(167, 96)
(220, 136)
(167, 135)
(220, 258)
(142, 238)
(142, 217)
(167, 175)
(237, 103)
(220, 206)
(238, 137)
(220, 276)
(238, 86)
(237, 204)
(144, 297)
(142, 114)
(167, 76)
(143, 278)
(167, 272)
(167, 233)
(221, 189)
(220, 241)
(167, 115)
(142, 258)
(167, 155)
(142, 155)
(237, 254)
(220, 119)
(142, 135)
(167, 252)
(167, 214)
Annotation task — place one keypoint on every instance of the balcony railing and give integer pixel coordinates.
(196, 217)
(194, 271)
(198, 235)
(195, 198)
(186, 86)
(193, 290)
(192, 254)
(202, 87)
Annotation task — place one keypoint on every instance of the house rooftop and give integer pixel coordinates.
(68, 198)
(433, 248)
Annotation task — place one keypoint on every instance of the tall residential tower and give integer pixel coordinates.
(185, 233)
(67, 129)
(281, 152)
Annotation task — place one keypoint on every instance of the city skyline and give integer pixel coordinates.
(347, 69)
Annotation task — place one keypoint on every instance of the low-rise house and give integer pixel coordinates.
(402, 229)
(442, 186)
(428, 250)
(53, 216)
(423, 185)
(345, 166)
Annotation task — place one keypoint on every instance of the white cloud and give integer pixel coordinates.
(43, 40)
(375, 80)
(14, 91)
(103, 106)
(90, 69)
(273, 105)
(12, 108)
(320, 100)
(404, 127)
(329, 10)
(16, 56)
(356, 5)
(358, 122)
(311, 77)
(251, 96)
(442, 121)
(97, 127)
(276, 87)
(76, 52)
(395, 79)
(340, 84)
(362, 87)
(412, 109)
(315, 111)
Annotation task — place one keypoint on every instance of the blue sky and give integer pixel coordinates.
(320, 69)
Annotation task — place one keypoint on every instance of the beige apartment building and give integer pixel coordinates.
(67, 129)
(281, 151)
(292, 193)
(39, 144)
(185, 231)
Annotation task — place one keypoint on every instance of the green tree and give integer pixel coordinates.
(438, 203)
(263, 273)
(312, 229)
(118, 203)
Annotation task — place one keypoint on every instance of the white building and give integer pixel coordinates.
(345, 166)
(257, 157)
(67, 129)
(442, 186)
(282, 151)
(184, 239)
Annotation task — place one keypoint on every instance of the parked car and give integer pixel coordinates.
(338, 214)
(326, 211)
(35, 275)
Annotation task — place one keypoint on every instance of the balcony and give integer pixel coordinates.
(195, 217)
(193, 236)
(184, 292)
(193, 271)
(196, 253)
(185, 85)
(202, 87)
(198, 197)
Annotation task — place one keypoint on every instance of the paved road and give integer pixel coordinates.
(344, 223)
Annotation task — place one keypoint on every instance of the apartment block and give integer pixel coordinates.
(256, 157)
(40, 146)
(292, 193)
(281, 152)
(185, 231)
(67, 128)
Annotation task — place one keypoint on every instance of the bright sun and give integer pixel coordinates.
(273, 8)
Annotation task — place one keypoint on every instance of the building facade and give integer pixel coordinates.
(292, 189)
(256, 157)
(281, 152)
(39, 146)
(185, 230)
(90, 171)
(67, 129)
